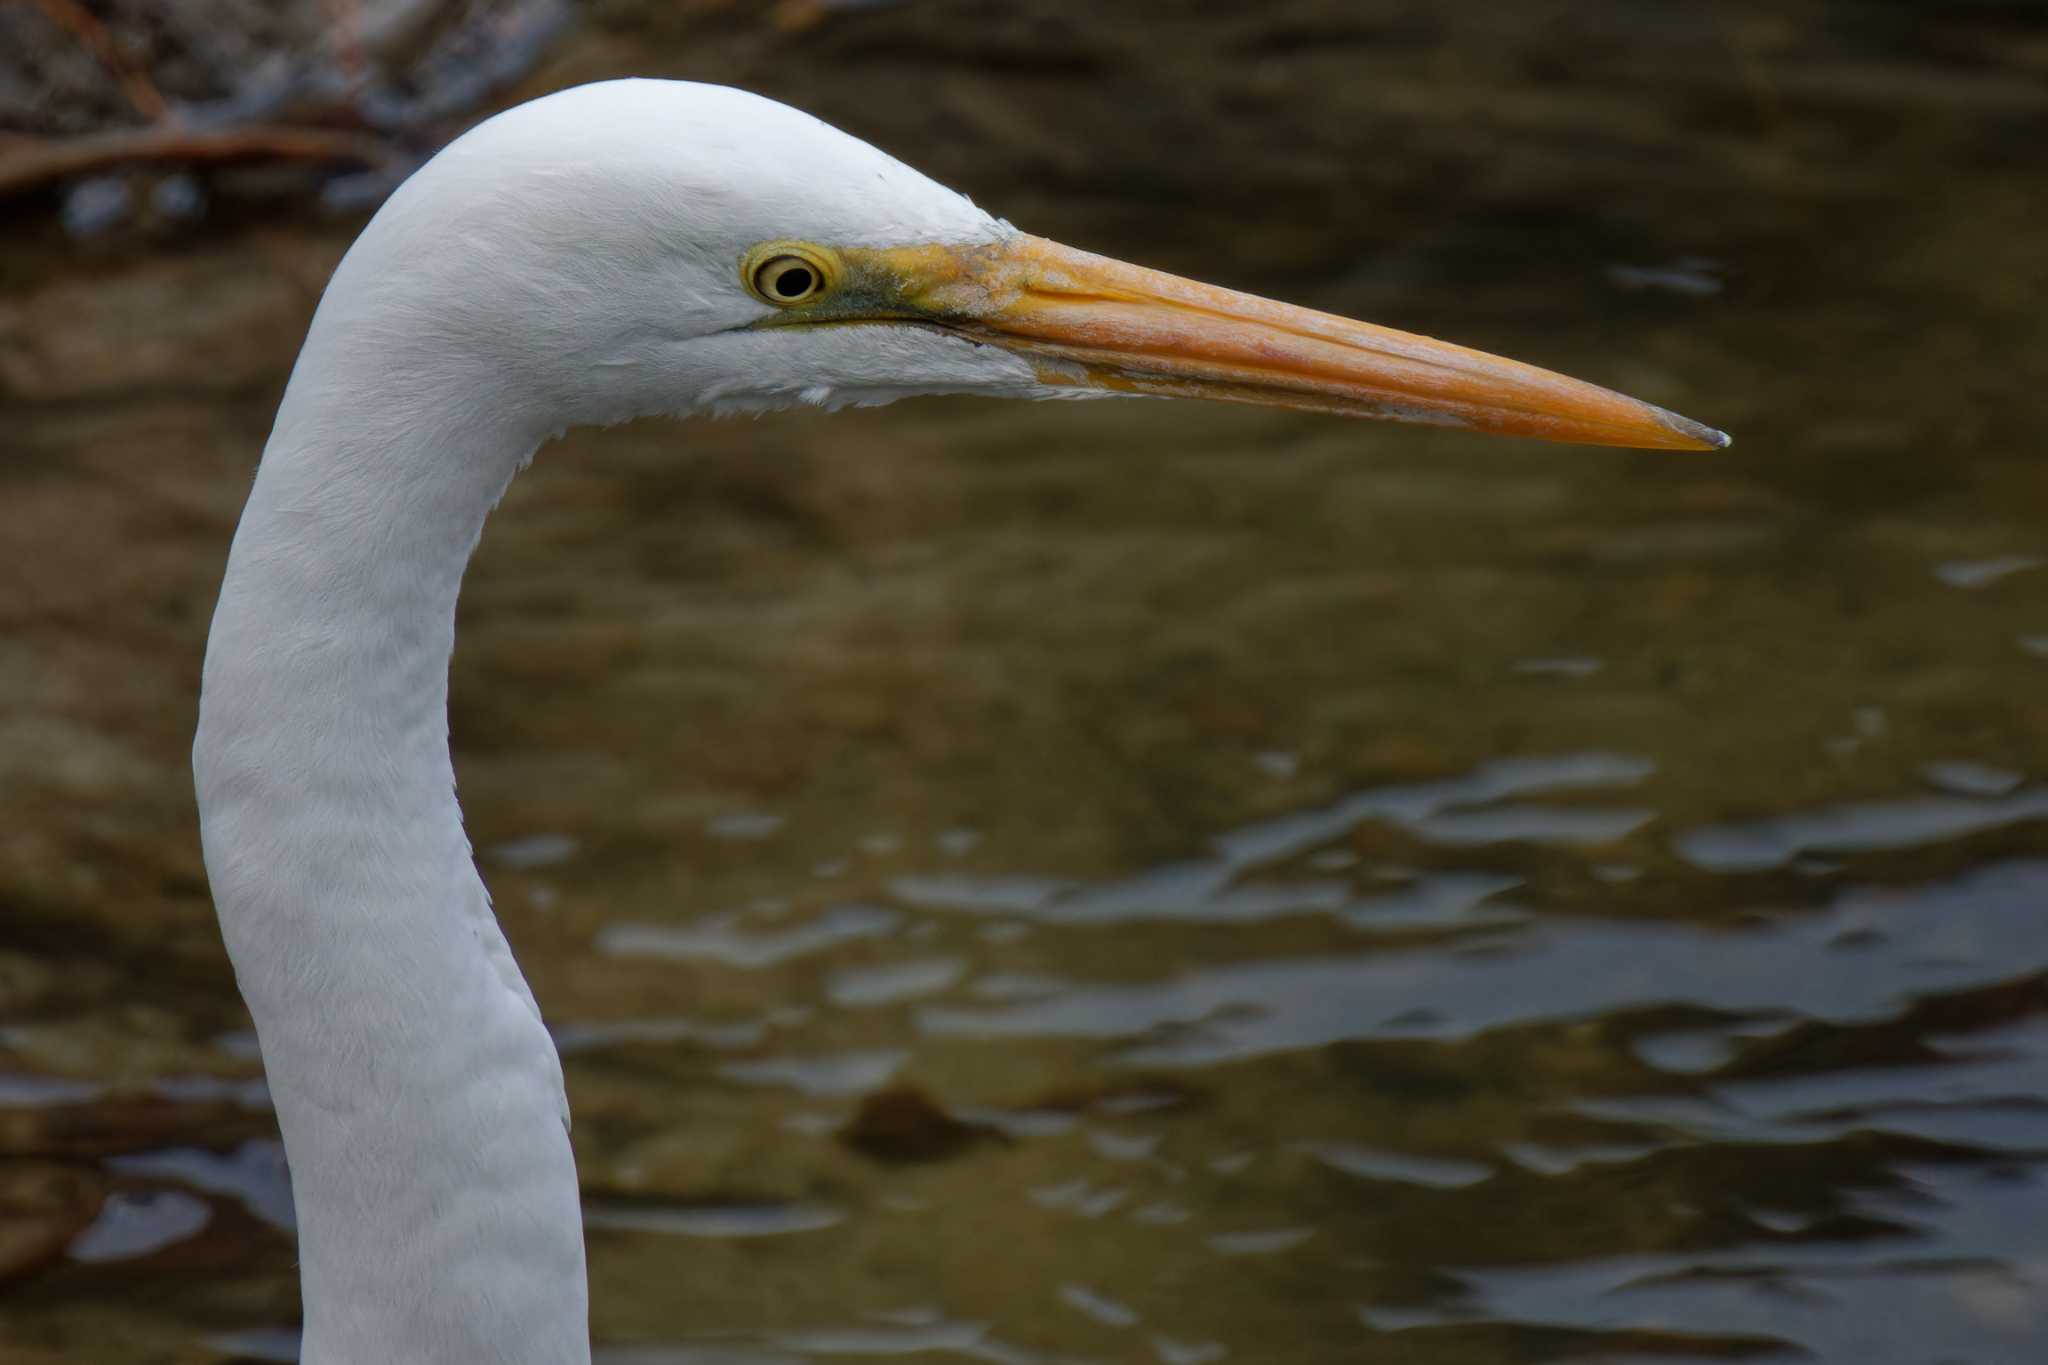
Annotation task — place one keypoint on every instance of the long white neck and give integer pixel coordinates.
(419, 1095)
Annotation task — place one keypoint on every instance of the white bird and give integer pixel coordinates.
(611, 251)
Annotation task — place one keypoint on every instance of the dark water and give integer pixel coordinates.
(1146, 883)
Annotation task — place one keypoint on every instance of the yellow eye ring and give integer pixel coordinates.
(789, 273)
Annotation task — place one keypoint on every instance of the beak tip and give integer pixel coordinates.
(1696, 435)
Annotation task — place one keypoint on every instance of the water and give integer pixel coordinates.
(1149, 883)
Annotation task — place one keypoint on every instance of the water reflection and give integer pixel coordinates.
(1760, 845)
(21, 1090)
(253, 1174)
(1371, 1164)
(1871, 1178)
(1711, 1008)
(258, 1343)
(1861, 959)
(1449, 813)
(894, 982)
(1963, 1280)
(722, 1221)
(1982, 573)
(842, 1073)
(720, 937)
(136, 1225)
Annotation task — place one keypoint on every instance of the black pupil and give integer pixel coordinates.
(793, 283)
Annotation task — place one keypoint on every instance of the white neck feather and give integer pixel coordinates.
(572, 260)
(419, 1094)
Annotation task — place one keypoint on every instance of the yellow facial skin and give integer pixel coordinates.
(1093, 322)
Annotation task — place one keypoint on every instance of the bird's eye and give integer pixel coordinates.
(788, 278)
(784, 274)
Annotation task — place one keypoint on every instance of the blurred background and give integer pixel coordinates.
(1122, 882)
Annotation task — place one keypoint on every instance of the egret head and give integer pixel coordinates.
(641, 247)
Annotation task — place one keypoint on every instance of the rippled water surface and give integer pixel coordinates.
(1135, 882)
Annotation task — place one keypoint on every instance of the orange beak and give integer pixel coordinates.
(1093, 322)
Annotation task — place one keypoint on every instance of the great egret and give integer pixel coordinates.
(614, 250)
